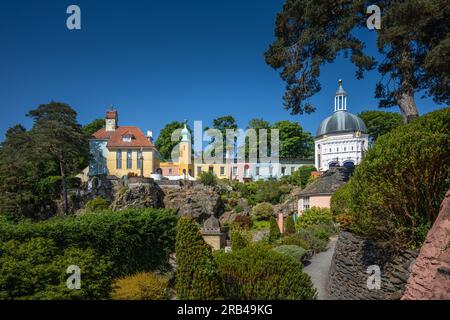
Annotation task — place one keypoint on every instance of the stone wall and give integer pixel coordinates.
(348, 273)
(430, 273)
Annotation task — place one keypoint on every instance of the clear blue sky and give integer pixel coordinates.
(157, 61)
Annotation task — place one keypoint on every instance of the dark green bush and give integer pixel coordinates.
(289, 226)
(97, 204)
(258, 273)
(196, 275)
(36, 269)
(262, 211)
(243, 222)
(315, 237)
(208, 178)
(134, 240)
(240, 238)
(274, 231)
(396, 192)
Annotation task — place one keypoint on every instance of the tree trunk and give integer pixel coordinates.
(408, 106)
(64, 187)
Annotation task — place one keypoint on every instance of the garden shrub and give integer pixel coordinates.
(295, 239)
(340, 201)
(262, 211)
(208, 178)
(240, 238)
(316, 238)
(258, 273)
(134, 239)
(314, 216)
(243, 221)
(196, 276)
(36, 269)
(97, 204)
(289, 226)
(274, 231)
(141, 286)
(396, 192)
(295, 252)
(260, 225)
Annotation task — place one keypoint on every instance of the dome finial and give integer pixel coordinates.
(340, 99)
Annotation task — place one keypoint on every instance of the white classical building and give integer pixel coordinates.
(341, 139)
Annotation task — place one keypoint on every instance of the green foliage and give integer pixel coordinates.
(294, 142)
(208, 178)
(134, 240)
(240, 238)
(258, 273)
(262, 211)
(261, 224)
(314, 216)
(295, 252)
(238, 209)
(93, 126)
(30, 162)
(243, 222)
(295, 239)
(379, 123)
(315, 238)
(97, 204)
(36, 269)
(164, 142)
(196, 275)
(141, 286)
(300, 177)
(274, 231)
(289, 226)
(413, 51)
(396, 192)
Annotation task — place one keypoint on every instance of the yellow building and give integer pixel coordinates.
(124, 150)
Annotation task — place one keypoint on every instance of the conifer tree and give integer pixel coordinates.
(196, 275)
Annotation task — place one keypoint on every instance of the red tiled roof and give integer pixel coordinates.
(103, 134)
(115, 138)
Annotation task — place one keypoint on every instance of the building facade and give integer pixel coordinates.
(342, 138)
(122, 150)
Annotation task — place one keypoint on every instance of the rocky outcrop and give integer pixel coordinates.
(430, 273)
(199, 202)
(353, 267)
(138, 195)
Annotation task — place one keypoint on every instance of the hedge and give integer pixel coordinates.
(134, 240)
(259, 273)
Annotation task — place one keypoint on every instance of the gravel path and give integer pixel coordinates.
(319, 267)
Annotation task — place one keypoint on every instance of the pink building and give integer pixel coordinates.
(240, 171)
(169, 169)
(318, 193)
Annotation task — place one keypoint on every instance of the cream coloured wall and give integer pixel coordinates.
(216, 170)
(149, 163)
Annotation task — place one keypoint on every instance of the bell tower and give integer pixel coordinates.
(185, 152)
(112, 120)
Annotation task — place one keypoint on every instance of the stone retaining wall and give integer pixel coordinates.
(348, 273)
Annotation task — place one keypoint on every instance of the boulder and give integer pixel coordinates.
(138, 195)
(199, 201)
